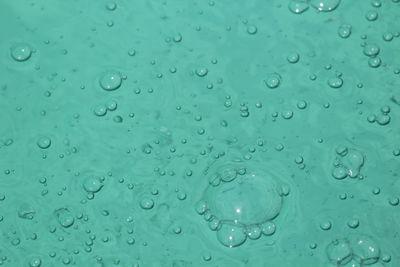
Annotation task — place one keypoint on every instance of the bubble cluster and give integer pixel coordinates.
(359, 248)
(348, 163)
(234, 214)
(382, 118)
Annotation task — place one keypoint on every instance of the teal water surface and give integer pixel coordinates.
(200, 133)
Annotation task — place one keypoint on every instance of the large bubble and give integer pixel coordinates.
(240, 203)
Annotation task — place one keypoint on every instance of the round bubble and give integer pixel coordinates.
(21, 52)
(231, 235)
(273, 80)
(65, 218)
(344, 31)
(335, 82)
(298, 6)
(146, 203)
(250, 198)
(92, 184)
(43, 142)
(325, 5)
(371, 50)
(110, 80)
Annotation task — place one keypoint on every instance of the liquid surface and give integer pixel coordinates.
(199, 133)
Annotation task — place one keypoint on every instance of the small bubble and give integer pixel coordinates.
(293, 58)
(371, 50)
(268, 228)
(35, 262)
(100, 110)
(301, 104)
(21, 52)
(111, 6)
(326, 225)
(344, 31)
(92, 184)
(325, 5)
(110, 80)
(146, 203)
(273, 80)
(374, 62)
(287, 115)
(43, 142)
(298, 6)
(353, 223)
(251, 29)
(335, 82)
(111, 105)
(202, 71)
(394, 201)
(371, 15)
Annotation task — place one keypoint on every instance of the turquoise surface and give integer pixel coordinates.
(199, 133)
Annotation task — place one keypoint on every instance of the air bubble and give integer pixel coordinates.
(202, 71)
(325, 5)
(110, 80)
(339, 252)
(251, 29)
(43, 142)
(231, 235)
(298, 6)
(371, 50)
(293, 58)
(365, 250)
(92, 184)
(100, 110)
(232, 212)
(146, 203)
(65, 218)
(374, 62)
(371, 15)
(273, 80)
(335, 82)
(21, 52)
(344, 31)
